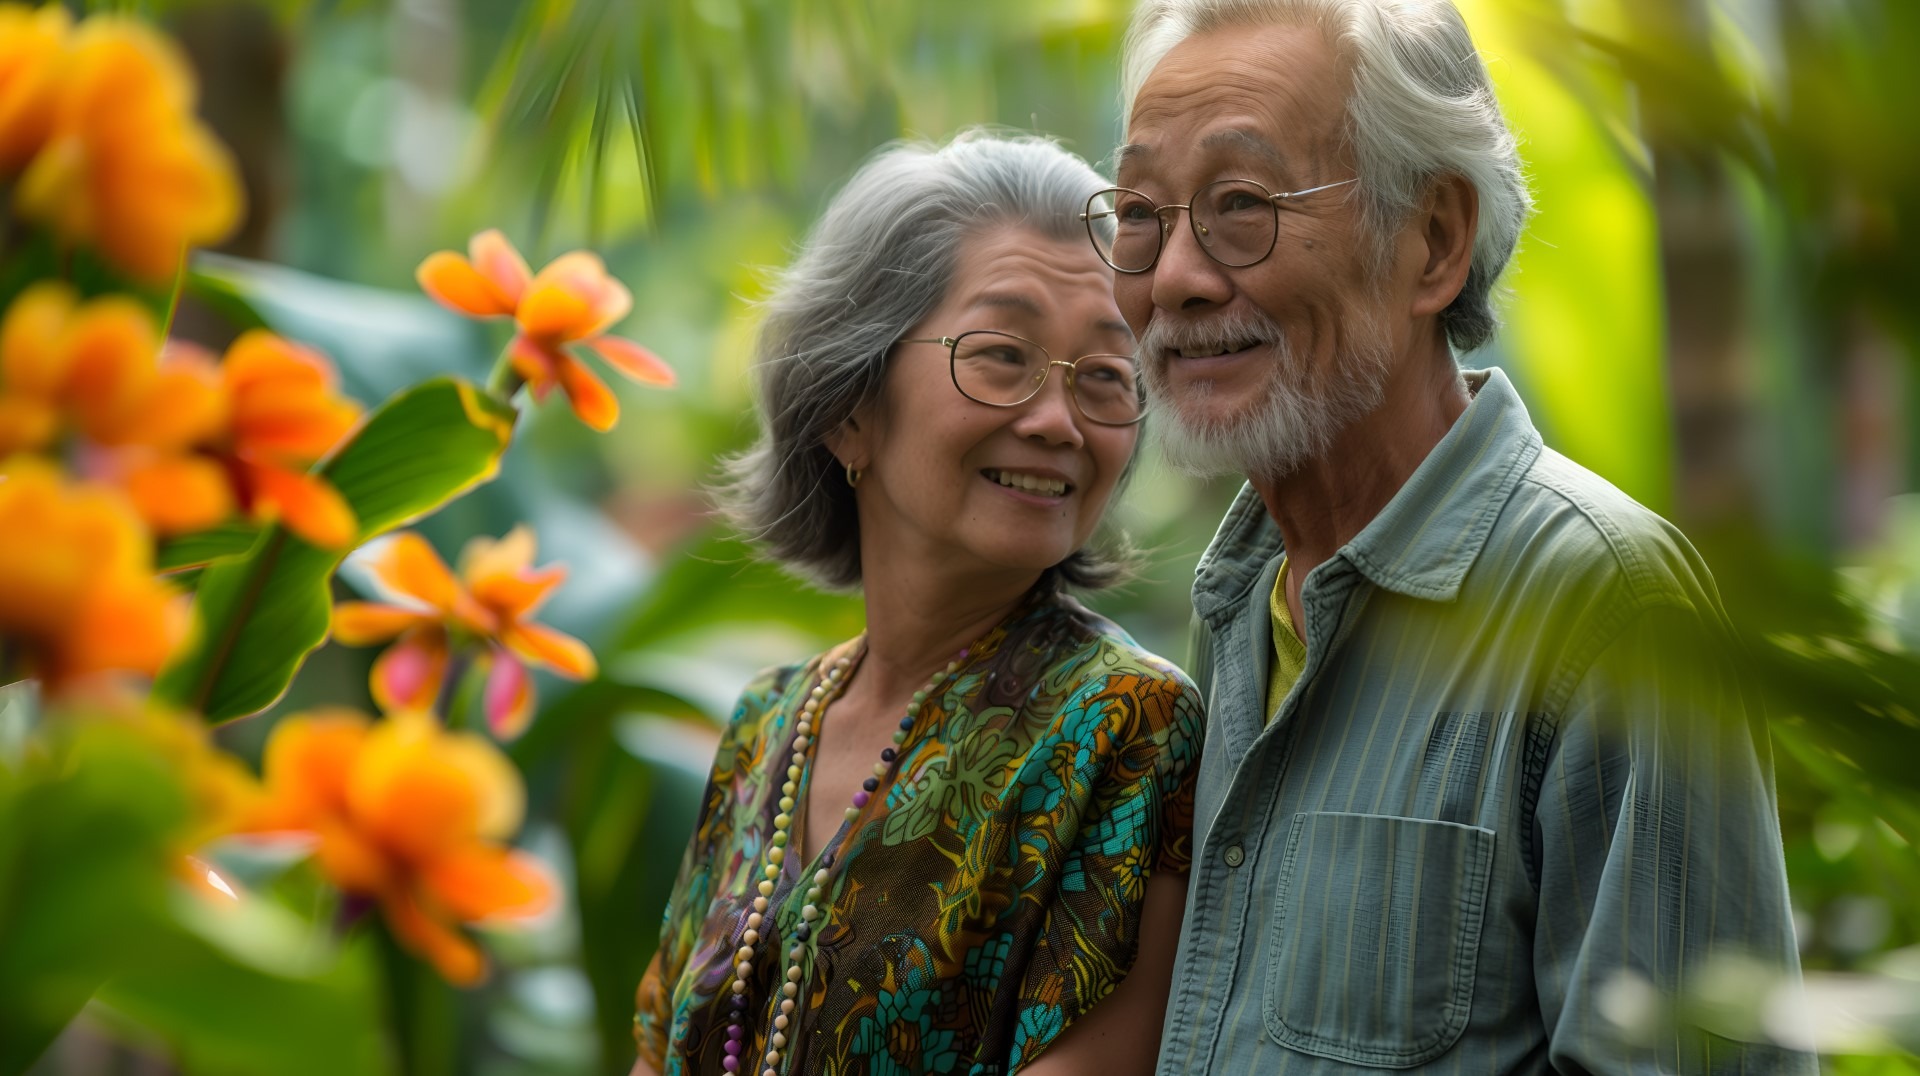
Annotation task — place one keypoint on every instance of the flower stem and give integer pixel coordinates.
(457, 665)
(504, 381)
(173, 300)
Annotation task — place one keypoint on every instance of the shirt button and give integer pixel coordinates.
(1234, 856)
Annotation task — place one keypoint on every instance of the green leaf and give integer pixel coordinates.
(225, 295)
(246, 989)
(194, 550)
(259, 615)
(83, 861)
(91, 826)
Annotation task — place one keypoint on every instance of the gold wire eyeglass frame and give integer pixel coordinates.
(952, 344)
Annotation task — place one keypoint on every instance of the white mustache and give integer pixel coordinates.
(1169, 336)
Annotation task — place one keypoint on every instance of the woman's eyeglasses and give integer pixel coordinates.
(1003, 370)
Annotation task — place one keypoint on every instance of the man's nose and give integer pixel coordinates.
(1186, 276)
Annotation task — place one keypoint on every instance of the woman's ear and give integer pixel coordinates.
(848, 442)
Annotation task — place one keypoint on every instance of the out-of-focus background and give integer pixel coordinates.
(1717, 307)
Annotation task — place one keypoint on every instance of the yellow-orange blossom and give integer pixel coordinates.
(77, 590)
(571, 301)
(411, 815)
(188, 441)
(490, 604)
(99, 120)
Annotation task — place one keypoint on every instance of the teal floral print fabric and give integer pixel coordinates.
(986, 898)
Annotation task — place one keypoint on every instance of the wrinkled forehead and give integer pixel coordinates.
(1057, 291)
(1271, 97)
(1235, 143)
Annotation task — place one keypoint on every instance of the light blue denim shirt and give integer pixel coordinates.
(1519, 775)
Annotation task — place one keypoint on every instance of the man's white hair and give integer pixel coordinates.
(1420, 106)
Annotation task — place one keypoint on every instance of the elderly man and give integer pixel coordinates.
(1480, 779)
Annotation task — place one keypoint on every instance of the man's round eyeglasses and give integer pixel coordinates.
(1003, 370)
(1236, 221)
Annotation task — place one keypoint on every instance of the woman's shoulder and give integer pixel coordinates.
(1079, 641)
(1096, 684)
(764, 696)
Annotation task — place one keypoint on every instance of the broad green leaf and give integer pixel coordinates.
(83, 863)
(225, 295)
(246, 989)
(258, 616)
(194, 550)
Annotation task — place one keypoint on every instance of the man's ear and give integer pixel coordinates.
(1444, 243)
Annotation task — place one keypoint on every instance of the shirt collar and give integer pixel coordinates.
(1428, 535)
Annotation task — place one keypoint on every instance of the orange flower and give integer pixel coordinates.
(572, 300)
(124, 166)
(63, 361)
(491, 603)
(32, 45)
(187, 440)
(282, 416)
(412, 815)
(77, 592)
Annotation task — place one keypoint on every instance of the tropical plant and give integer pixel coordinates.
(1713, 308)
(170, 525)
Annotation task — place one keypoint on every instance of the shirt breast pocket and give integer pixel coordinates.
(1376, 930)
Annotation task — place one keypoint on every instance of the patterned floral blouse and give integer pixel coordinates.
(984, 900)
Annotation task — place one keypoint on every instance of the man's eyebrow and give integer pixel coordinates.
(1232, 138)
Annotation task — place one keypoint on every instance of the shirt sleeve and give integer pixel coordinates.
(656, 1011)
(1138, 820)
(653, 1001)
(1656, 846)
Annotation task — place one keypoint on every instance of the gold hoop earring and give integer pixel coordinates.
(853, 475)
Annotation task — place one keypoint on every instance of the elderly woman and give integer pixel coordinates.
(958, 842)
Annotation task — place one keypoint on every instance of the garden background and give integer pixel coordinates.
(1717, 307)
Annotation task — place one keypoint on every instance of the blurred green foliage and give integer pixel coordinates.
(213, 988)
(1714, 308)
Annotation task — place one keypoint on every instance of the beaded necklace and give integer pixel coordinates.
(831, 684)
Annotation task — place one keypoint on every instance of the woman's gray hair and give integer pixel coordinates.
(1421, 106)
(878, 262)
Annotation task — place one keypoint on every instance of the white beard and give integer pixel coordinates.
(1294, 422)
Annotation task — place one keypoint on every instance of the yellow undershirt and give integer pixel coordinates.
(1289, 653)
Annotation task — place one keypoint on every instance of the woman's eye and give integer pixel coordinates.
(1136, 212)
(1007, 355)
(1239, 202)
